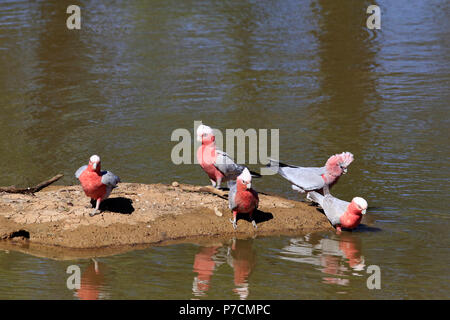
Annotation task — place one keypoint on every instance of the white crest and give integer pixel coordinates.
(245, 176)
(360, 202)
(95, 158)
(202, 129)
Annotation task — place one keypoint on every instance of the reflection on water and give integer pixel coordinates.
(92, 286)
(337, 257)
(238, 254)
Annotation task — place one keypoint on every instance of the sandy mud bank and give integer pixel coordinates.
(137, 215)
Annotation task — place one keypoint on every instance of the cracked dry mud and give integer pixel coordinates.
(141, 214)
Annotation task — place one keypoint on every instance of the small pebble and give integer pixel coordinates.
(217, 212)
(175, 184)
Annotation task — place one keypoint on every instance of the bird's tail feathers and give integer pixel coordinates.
(315, 197)
(276, 165)
(255, 174)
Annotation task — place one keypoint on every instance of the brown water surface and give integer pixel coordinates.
(137, 70)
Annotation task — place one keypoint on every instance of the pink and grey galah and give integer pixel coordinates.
(341, 214)
(217, 164)
(305, 179)
(241, 197)
(96, 184)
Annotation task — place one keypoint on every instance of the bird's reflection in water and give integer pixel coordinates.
(238, 254)
(92, 282)
(338, 258)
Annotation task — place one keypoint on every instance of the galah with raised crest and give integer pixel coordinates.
(241, 197)
(96, 184)
(305, 179)
(341, 214)
(217, 164)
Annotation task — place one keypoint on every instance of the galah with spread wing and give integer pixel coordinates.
(217, 164)
(305, 179)
(341, 214)
(96, 184)
(241, 197)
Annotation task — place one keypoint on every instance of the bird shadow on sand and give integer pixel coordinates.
(258, 215)
(119, 205)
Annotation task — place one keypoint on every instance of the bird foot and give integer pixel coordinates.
(233, 222)
(254, 224)
(93, 213)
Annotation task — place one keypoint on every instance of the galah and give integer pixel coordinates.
(340, 213)
(217, 164)
(241, 197)
(305, 179)
(96, 184)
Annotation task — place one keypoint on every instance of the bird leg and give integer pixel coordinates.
(213, 183)
(338, 229)
(219, 182)
(97, 208)
(95, 265)
(92, 204)
(253, 220)
(234, 220)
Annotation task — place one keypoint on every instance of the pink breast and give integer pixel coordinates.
(92, 185)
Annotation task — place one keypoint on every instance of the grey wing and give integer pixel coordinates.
(227, 166)
(232, 194)
(320, 171)
(305, 178)
(109, 178)
(334, 208)
(80, 171)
